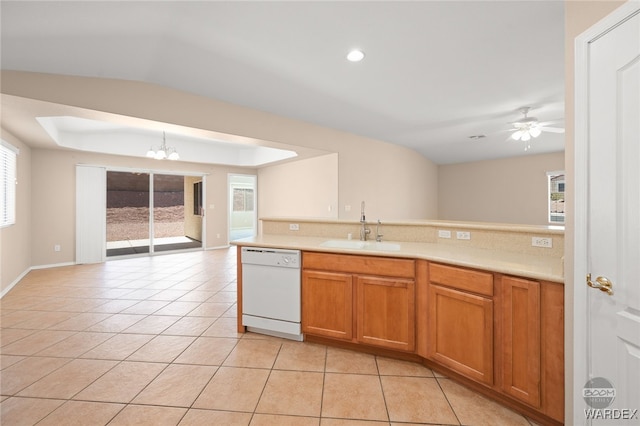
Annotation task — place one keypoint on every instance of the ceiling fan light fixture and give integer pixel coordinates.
(355, 55)
(535, 131)
(517, 135)
(525, 136)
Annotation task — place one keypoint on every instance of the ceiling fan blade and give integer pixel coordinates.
(548, 122)
(552, 129)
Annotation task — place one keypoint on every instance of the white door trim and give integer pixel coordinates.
(91, 216)
(577, 366)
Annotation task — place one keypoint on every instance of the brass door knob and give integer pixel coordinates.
(602, 284)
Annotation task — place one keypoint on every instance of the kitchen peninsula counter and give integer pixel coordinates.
(526, 265)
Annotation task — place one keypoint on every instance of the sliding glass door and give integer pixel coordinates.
(152, 212)
(127, 213)
(170, 213)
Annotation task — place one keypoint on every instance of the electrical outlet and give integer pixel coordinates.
(347, 208)
(463, 235)
(294, 227)
(217, 235)
(542, 242)
(56, 247)
(444, 234)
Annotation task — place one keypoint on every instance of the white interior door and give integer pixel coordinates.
(611, 391)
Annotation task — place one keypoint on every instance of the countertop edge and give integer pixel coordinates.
(502, 262)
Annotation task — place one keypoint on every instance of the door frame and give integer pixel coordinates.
(577, 365)
(230, 177)
(151, 173)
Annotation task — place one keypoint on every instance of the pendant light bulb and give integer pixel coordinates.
(535, 131)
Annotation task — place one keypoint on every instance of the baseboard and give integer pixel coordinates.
(16, 281)
(53, 265)
(218, 247)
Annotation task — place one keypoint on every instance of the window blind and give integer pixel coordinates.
(8, 160)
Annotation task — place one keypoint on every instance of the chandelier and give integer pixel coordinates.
(163, 152)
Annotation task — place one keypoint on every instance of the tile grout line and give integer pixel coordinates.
(324, 380)
(447, 398)
(384, 398)
(265, 384)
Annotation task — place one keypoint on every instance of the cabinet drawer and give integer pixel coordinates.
(354, 264)
(462, 279)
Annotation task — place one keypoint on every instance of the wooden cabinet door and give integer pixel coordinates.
(327, 304)
(460, 332)
(521, 339)
(386, 312)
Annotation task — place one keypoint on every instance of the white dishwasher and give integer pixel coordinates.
(271, 291)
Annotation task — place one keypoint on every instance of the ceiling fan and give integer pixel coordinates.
(528, 128)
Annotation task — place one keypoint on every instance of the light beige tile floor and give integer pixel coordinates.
(153, 341)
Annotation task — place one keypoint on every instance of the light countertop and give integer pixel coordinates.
(519, 264)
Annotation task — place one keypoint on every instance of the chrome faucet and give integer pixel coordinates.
(364, 231)
(378, 234)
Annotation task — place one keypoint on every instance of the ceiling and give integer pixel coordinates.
(435, 72)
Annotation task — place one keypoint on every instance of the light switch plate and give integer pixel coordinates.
(444, 234)
(294, 227)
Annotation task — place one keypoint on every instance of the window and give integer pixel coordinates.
(242, 199)
(197, 199)
(8, 159)
(555, 181)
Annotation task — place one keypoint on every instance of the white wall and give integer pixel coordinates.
(510, 190)
(396, 182)
(306, 188)
(15, 240)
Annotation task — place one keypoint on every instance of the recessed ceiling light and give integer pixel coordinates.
(355, 55)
